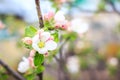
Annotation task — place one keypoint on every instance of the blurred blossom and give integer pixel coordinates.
(60, 21)
(48, 16)
(59, 16)
(1, 25)
(24, 65)
(73, 64)
(80, 26)
(62, 1)
(113, 61)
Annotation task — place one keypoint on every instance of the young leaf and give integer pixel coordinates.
(30, 31)
(40, 69)
(38, 59)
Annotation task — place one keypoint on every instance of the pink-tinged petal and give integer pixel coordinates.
(51, 45)
(31, 62)
(35, 39)
(32, 53)
(42, 50)
(45, 36)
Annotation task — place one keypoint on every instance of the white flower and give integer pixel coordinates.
(73, 64)
(43, 42)
(79, 26)
(113, 61)
(23, 65)
(59, 16)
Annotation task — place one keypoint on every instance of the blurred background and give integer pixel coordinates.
(95, 55)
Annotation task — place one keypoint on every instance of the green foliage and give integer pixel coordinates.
(30, 31)
(27, 46)
(112, 70)
(83, 64)
(30, 76)
(49, 24)
(72, 36)
(40, 69)
(101, 5)
(56, 36)
(3, 75)
(38, 59)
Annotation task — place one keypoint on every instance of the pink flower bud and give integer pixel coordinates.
(48, 16)
(27, 40)
(31, 62)
(46, 54)
(32, 53)
(61, 24)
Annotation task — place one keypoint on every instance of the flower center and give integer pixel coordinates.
(41, 44)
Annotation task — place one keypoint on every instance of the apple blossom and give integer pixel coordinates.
(79, 26)
(27, 40)
(24, 65)
(42, 42)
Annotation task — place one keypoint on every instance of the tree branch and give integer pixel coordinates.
(12, 72)
(41, 24)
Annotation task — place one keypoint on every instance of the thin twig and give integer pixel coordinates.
(56, 58)
(11, 71)
(113, 6)
(41, 24)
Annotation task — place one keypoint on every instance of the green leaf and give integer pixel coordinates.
(72, 36)
(38, 59)
(27, 46)
(40, 69)
(56, 36)
(30, 31)
(30, 76)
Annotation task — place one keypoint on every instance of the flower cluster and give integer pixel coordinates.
(42, 42)
(56, 21)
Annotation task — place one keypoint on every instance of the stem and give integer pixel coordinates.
(11, 71)
(41, 24)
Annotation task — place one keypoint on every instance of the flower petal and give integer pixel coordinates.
(35, 39)
(42, 50)
(51, 45)
(45, 36)
(59, 16)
